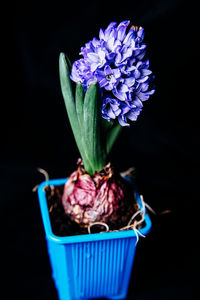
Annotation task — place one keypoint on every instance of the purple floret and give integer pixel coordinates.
(116, 60)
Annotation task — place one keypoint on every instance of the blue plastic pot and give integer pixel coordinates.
(91, 265)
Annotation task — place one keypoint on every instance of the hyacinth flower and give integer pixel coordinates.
(112, 80)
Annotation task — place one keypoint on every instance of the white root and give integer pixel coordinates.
(132, 224)
(98, 223)
(46, 176)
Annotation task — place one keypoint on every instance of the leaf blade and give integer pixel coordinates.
(68, 96)
(92, 127)
(112, 136)
(79, 103)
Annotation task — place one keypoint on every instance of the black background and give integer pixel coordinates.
(163, 144)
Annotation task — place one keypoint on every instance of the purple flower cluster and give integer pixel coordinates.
(116, 61)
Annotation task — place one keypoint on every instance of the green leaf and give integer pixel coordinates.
(92, 127)
(71, 109)
(68, 62)
(79, 103)
(112, 135)
(66, 84)
(106, 125)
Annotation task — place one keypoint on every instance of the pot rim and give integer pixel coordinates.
(84, 237)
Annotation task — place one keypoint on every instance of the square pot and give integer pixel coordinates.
(91, 265)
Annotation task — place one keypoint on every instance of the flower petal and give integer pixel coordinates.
(119, 95)
(143, 79)
(94, 66)
(129, 81)
(121, 30)
(101, 34)
(107, 70)
(137, 102)
(110, 113)
(122, 121)
(146, 72)
(93, 57)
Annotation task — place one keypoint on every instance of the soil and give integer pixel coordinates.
(61, 224)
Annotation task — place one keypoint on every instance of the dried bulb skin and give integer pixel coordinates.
(104, 197)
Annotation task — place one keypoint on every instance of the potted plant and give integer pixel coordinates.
(93, 219)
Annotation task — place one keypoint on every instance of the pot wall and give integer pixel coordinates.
(92, 269)
(91, 265)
